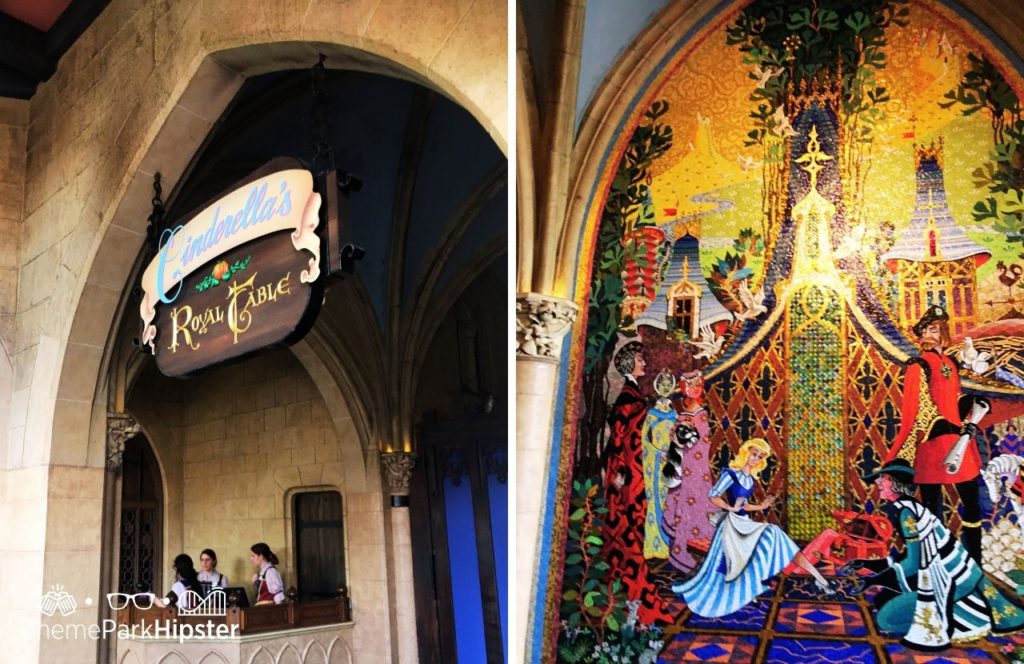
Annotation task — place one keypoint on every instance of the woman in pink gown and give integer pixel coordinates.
(687, 473)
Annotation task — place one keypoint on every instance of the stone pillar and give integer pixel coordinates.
(398, 467)
(120, 428)
(541, 323)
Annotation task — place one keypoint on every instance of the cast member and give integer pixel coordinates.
(935, 593)
(209, 577)
(744, 553)
(185, 580)
(268, 583)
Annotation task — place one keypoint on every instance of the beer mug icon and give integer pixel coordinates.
(58, 600)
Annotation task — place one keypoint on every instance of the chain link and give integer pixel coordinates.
(156, 217)
(323, 153)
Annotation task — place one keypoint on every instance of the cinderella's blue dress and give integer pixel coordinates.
(743, 555)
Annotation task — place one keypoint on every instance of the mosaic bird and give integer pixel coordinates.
(1009, 274)
(747, 163)
(782, 126)
(710, 344)
(762, 76)
(973, 359)
(852, 243)
(753, 303)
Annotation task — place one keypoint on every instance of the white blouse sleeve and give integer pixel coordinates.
(275, 584)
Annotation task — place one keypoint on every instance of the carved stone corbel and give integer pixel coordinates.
(120, 427)
(541, 323)
(399, 467)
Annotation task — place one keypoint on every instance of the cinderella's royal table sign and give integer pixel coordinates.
(240, 275)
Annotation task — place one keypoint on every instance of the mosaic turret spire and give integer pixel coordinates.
(932, 234)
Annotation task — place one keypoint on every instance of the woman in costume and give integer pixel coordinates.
(185, 579)
(744, 553)
(687, 476)
(268, 584)
(208, 575)
(623, 531)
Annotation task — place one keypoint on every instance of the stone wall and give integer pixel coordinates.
(248, 437)
(13, 138)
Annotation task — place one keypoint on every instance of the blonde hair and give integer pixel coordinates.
(744, 455)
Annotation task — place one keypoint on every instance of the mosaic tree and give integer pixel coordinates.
(788, 45)
(984, 89)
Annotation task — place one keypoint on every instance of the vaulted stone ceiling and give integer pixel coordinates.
(431, 215)
(434, 183)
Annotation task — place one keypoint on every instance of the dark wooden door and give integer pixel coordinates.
(319, 545)
(458, 512)
(141, 518)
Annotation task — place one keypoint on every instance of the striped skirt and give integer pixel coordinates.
(743, 555)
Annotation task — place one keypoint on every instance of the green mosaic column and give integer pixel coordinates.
(814, 416)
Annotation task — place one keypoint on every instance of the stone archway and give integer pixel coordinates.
(162, 117)
(186, 123)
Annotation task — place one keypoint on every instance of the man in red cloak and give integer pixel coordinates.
(933, 418)
(624, 489)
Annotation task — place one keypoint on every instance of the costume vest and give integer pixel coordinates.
(263, 593)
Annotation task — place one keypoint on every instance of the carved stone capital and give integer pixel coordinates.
(541, 323)
(120, 427)
(399, 471)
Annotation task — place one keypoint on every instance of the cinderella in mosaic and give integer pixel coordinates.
(744, 553)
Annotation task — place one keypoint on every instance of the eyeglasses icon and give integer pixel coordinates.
(118, 601)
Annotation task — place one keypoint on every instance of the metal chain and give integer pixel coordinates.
(156, 217)
(323, 152)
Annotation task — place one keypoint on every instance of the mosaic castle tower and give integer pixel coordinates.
(935, 261)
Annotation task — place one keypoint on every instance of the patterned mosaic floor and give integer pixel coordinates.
(790, 623)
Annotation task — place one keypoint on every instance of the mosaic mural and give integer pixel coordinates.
(801, 359)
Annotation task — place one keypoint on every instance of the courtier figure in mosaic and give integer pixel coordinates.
(659, 428)
(934, 416)
(624, 488)
(688, 476)
(935, 594)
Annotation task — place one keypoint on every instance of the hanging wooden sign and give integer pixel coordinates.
(241, 275)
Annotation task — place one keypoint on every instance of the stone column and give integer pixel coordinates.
(120, 428)
(398, 467)
(541, 323)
